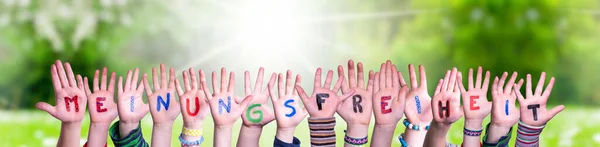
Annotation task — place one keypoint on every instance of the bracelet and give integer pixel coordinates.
(355, 141)
(472, 132)
(414, 127)
(190, 143)
(191, 132)
(402, 141)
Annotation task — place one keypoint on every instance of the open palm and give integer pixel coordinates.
(130, 104)
(193, 102)
(71, 99)
(447, 96)
(103, 108)
(418, 101)
(286, 117)
(504, 111)
(537, 101)
(167, 109)
(388, 103)
(476, 105)
(328, 97)
(260, 97)
(228, 114)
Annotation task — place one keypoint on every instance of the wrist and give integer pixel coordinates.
(357, 130)
(285, 134)
(193, 125)
(473, 124)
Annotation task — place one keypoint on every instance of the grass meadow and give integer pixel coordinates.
(575, 126)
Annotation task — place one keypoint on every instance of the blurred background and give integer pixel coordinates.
(560, 37)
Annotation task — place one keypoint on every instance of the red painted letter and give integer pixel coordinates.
(187, 105)
(472, 102)
(384, 103)
(99, 104)
(73, 100)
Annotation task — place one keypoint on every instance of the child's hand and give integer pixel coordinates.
(476, 105)
(533, 109)
(193, 102)
(71, 99)
(418, 105)
(358, 109)
(102, 105)
(224, 112)
(324, 101)
(259, 113)
(287, 106)
(504, 111)
(446, 100)
(131, 107)
(163, 98)
(388, 101)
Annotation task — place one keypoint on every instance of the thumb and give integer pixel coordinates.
(556, 110)
(347, 95)
(245, 102)
(46, 107)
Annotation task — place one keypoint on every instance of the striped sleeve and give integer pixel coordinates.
(322, 133)
(528, 136)
(133, 139)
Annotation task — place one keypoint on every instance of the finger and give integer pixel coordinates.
(495, 86)
(549, 88)
(127, 81)
(120, 86)
(155, 82)
(341, 80)
(361, 82)
(460, 84)
(340, 72)
(302, 95)
(194, 79)
(247, 85)
(288, 83)
(171, 78)
(528, 89)
(178, 88)
(231, 88)
(352, 75)
(413, 76)
(70, 75)
(80, 83)
(216, 89)
(347, 95)
(456, 89)
(479, 74)
(423, 76)
(317, 81)
(244, 104)
(146, 85)
(111, 84)
(163, 76)
(280, 85)
(554, 111)
(517, 92)
(140, 87)
(135, 79)
(382, 71)
(486, 81)
(46, 107)
(270, 88)
(501, 82)
(452, 82)
(95, 83)
(540, 85)
(388, 73)
(328, 79)
(439, 86)
(376, 82)
(223, 80)
(511, 82)
(186, 82)
(446, 80)
(205, 86)
(298, 82)
(370, 81)
(401, 78)
(62, 74)
(395, 81)
(259, 80)
(55, 78)
(87, 87)
(470, 79)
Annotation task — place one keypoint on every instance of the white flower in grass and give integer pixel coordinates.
(85, 28)
(45, 28)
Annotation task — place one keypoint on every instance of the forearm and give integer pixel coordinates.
(383, 135)
(161, 134)
(495, 132)
(222, 136)
(322, 131)
(285, 134)
(126, 127)
(69, 134)
(414, 137)
(249, 136)
(528, 136)
(97, 134)
(498, 141)
(436, 136)
(474, 124)
(132, 138)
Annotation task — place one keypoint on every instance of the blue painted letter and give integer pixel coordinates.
(161, 101)
(506, 108)
(222, 104)
(287, 104)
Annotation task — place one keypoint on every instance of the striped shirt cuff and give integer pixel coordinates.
(528, 136)
(322, 133)
(133, 139)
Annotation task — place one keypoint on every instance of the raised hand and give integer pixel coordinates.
(193, 102)
(130, 105)
(476, 105)
(418, 106)
(446, 100)
(324, 101)
(287, 107)
(358, 109)
(223, 111)
(71, 99)
(504, 111)
(164, 108)
(533, 107)
(101, 101)
(389, 97)
(258, 113)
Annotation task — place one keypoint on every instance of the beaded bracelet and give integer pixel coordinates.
(414, 127)
(190, 143)
(191, 132)
(355, 141)
(472, 132)
(402, 141)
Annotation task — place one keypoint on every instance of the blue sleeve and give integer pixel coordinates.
(279, 143)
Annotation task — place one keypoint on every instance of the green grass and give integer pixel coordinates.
(573, 127)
